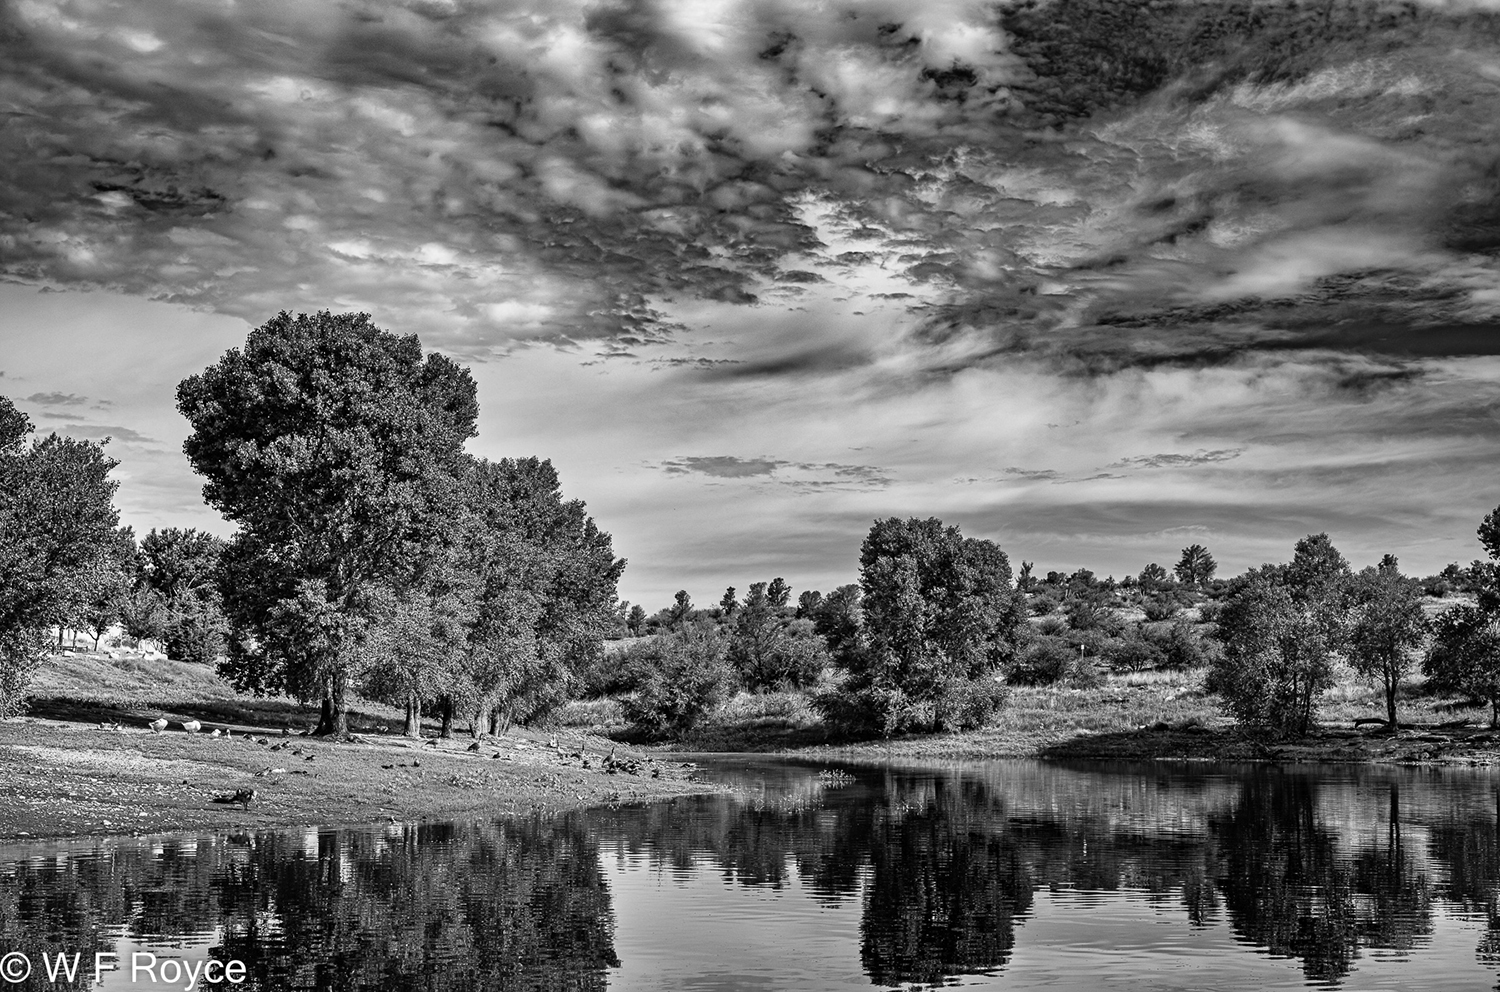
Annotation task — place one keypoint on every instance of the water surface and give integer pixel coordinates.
(1006, 875)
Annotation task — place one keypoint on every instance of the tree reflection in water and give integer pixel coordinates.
(944, 867)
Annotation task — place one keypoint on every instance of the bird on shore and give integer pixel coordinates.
(474, 746)
(243, 796)
(309, 757)
(432, 742)
(192, 726)
(109, 725)
(157, 725)
(285, 732)
(214, 732)
(281, 746)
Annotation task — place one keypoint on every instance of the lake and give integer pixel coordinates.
(1004, 874)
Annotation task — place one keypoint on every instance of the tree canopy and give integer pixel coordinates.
(336, 447)
(941, 618)
(57, 530)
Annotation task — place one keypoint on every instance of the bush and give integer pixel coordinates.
(1042, 604)
(1161, 608)
(959, 704)
(680, 678)
(1181, 644)
(1086, 614)
(1045, 661)
(1052, 626)
(1134, 653)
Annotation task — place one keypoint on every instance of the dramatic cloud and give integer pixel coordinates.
(1041, 260)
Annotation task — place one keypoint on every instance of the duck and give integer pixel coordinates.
(214, 732)
(158, 725)
(192, 726)
(474, 746)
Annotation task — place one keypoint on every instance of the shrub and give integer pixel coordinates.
(1181, 644)
(681, 677)
(1052, 626)
(1162, 608)
(1134, 653)
(1045, 661)
(1042, 604)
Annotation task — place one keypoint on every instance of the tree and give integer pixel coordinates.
(808, 602)
(680, 612)
(635, 621)
(181, 567)
(1153, 577)
(57, 528)
(769, 650)
(1387, 628)
(1319, 578)
(1276, 658)
(108, 583)
(778, 593)
(681, 677)
(1465, 655)
(336, 447)
(839, 620)
(941, 620)
(549, 590)
(1196, 566)
(727, 603)
(1465, 652)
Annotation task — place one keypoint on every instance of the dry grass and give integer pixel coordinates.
(1120, 703)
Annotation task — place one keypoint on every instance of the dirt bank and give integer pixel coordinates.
(65, 778)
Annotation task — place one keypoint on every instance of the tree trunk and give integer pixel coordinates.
(335, 719)
(325, 718)
(446, 706)
(1495, 713)
(1390, 703)
(413, 718)
(494, 721)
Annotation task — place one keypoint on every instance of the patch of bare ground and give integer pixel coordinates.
(85, 761)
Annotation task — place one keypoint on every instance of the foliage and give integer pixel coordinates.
(1387, 628)
(1134, 653)
(778, 592)
(548, 581)
(940, 620)
(839, 620)
(769, 650)
(1046, 660)
(181, 568)
(635, 620)
(57, 532)
(335, 447)
(1465, 651)
(1196, 566)
(1161, 608)
(108, 583)
(680, 677)
(1465, 655)
(1276, 657)
(1181, 644)
(1153, 577)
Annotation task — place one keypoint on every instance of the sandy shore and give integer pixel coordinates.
(65, 778)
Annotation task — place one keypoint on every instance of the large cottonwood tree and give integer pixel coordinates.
(336, 447)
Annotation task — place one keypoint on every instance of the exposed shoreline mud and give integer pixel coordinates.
(63, 778)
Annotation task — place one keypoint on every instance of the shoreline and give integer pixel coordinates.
(65, 779)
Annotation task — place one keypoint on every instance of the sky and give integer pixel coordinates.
(1095, 280)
